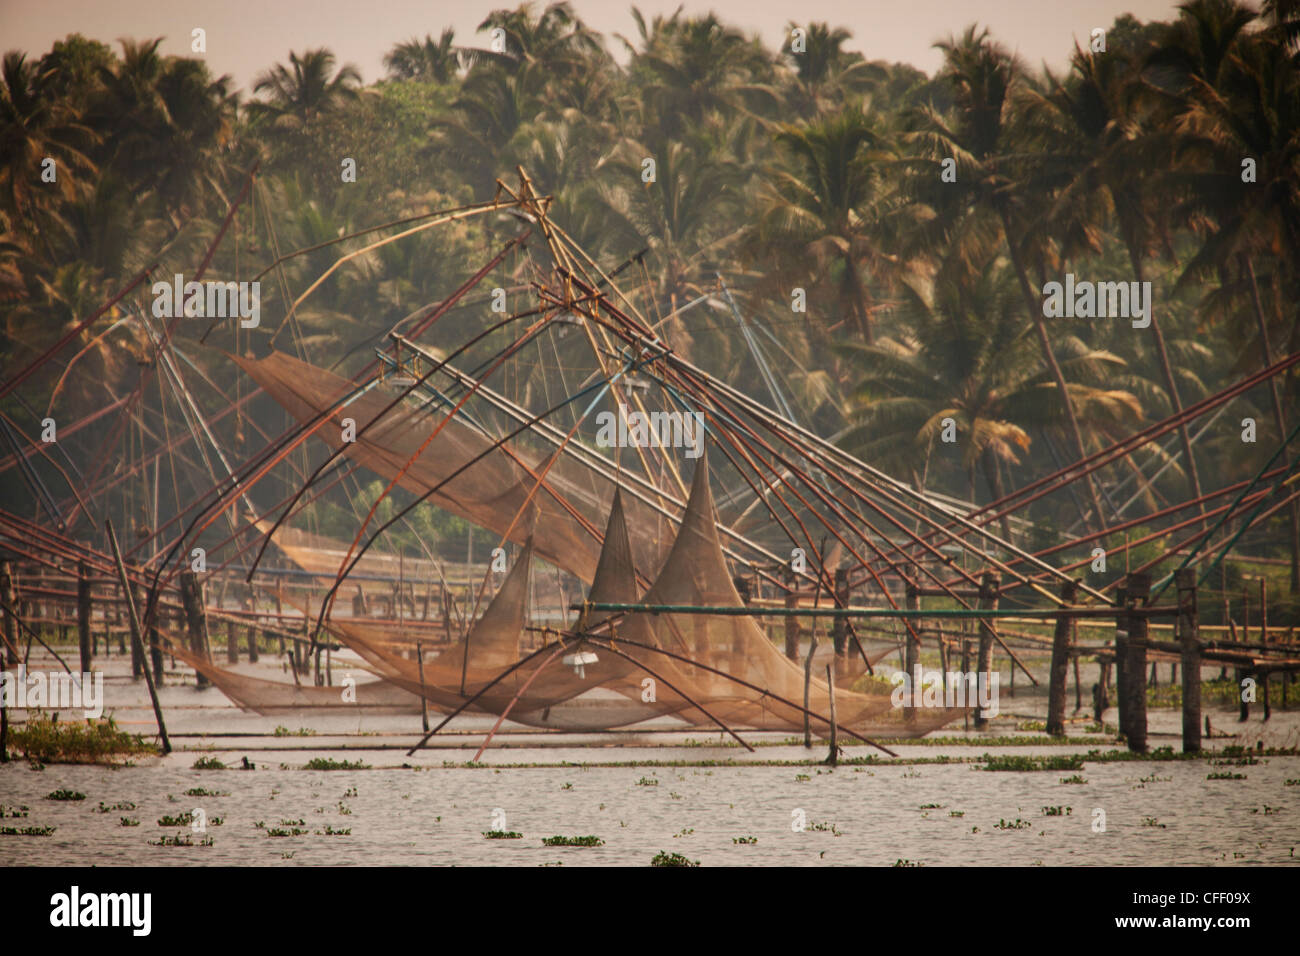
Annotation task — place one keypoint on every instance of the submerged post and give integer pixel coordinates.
(833, 757)
(791, 622)
(1139, 589)
(1189, 638)
(988, 599)
(136, 595)
(1060, 664)
(155, 645)
(196, 621)
(424, 702)
(807, 686)
(911, 646)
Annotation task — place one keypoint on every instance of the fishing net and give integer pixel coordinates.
(726, 665)
(490, 492)
(276, 698)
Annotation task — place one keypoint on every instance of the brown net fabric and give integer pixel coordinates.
(540, 693)
(490, 493)
(275, 698)
(695, 574)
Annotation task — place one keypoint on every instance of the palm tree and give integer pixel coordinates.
(825, 75)
(1103, 107)
(835, 212)
(695, 70)
(428, 60)
(962, 353)
(305, 89)
(35, 126)
(1247, 105)
(995, 170)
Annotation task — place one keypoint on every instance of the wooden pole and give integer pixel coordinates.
(911, 647)
(1060, 664)
(83, 615)
(988, 599)
(1188, 624)
(965, 669)
(137, 652)
(791, 622)
(1121, 657)
(807, 686)
(135, 635)
(1139, 589)
(833, 757)
(196, 621)
(1078, 693)
(252, 630)
(155, 645)
(424, 702)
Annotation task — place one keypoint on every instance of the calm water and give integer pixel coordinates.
(1156, 813)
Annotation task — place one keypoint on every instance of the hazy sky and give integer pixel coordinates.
(246, 36)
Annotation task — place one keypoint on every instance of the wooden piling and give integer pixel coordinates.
(911, 645)
(424, 702)
(988, 599)
(807, 686)
(1060, 665)
(1078, 694)
(839, 628)
(1138, 586)
(136, 596)
(1188, 636)
(196, 621)
(155, 645)
(833, 757)
(83, 615)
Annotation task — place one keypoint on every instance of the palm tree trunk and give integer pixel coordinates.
(858, 299)
(1171, 388)
(1036, 313)
(1279, 416)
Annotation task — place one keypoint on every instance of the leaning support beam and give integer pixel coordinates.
(135, 634)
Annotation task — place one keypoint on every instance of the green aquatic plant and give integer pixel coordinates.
(65, 794)
(1016, 824)
(1225, 775)
(672, 859)
(503, 835)
(43, 740)
(1023, 763)
(572, 842)
(1057, 811)
(325, 763)
(181, 820)
(745, 840)
(208, 763)
(27, 831)
(202, 792)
